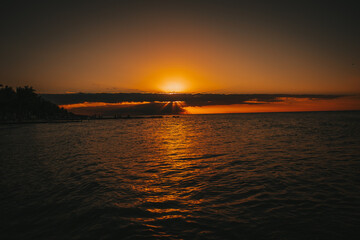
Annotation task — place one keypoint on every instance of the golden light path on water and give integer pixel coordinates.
(207, 176)
(177, 146)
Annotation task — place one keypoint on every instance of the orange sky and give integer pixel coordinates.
(217, 48)
(184, 46)
(203, 60)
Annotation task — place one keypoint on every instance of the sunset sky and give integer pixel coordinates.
(220, 47)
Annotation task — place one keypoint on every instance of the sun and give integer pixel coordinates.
(173, 85)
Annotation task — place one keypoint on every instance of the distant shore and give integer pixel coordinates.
(34, 121)
(40, 121)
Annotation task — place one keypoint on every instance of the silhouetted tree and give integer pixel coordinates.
(8, 102)
(24, 104)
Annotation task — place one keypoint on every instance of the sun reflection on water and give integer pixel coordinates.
(166, 192)
(192, 177)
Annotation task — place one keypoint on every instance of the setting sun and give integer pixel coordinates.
(174, 85)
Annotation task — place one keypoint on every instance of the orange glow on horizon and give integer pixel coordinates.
(288, 105)
(99, 104)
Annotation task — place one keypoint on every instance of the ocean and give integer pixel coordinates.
(231, 176)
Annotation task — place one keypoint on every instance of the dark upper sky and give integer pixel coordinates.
(209, 46)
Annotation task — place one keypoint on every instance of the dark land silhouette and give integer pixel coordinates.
(23, 105)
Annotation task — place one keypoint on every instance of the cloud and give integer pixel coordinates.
(141, 108)
(151, 103)
(188, 99)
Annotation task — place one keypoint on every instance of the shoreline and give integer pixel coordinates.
(73, 120)
(40, 121)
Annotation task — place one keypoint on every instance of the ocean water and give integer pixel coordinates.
(236, 176)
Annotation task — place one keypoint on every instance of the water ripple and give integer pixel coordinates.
(245, 176)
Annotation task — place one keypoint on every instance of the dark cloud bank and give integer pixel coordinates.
(195, 100)
(166, 103)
